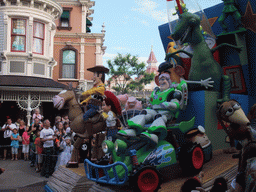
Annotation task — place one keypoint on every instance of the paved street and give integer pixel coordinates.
(20, 177)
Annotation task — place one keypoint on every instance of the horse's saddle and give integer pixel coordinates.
(98, 123)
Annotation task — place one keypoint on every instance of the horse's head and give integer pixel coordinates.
(62, 98)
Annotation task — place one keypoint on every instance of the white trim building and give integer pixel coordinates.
(27, 29)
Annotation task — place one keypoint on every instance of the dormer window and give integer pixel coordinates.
(65, 20)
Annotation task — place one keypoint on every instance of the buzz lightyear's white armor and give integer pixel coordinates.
(165, 105)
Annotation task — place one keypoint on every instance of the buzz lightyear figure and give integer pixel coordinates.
(166, 102)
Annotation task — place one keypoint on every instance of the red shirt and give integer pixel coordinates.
(26, 137)
(39, 147)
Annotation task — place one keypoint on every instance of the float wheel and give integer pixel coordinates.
(191, 159)
(197, 158)
(147, 179)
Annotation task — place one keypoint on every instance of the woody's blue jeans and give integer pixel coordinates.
(91, 111)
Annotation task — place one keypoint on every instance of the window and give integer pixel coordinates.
(39, 69)
(68, 64)
(65, 19)
(17, 67)
(18, 35)
(38, 38)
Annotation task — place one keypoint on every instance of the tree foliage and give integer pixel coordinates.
(128, 73)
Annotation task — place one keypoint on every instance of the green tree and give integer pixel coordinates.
(128, 73)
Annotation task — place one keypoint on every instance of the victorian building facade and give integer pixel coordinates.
(75, 48)
(27, 29)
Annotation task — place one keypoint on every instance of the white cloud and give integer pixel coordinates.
(142, 21)
(149, 8)
(120, 48)
(143, 59)
(111, 56)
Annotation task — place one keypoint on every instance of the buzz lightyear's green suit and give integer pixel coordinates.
(165, 106)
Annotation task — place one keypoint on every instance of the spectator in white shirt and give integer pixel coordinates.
(7, 128)
(47, 138)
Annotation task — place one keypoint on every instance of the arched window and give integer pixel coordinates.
(69, 64)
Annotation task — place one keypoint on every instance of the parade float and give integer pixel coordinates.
(207, 44)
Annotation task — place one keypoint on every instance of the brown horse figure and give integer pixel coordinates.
(83, 129)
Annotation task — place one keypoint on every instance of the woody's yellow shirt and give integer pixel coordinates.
(100, 89)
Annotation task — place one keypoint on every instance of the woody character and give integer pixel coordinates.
(93, 97)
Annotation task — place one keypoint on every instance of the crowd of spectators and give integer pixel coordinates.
(45, 146)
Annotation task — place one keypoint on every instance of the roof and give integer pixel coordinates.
(152, 58)
(151, 69)
(28, 81)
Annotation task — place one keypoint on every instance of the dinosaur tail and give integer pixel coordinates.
(226, 88)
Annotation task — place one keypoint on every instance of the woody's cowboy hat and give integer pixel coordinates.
(98, 68)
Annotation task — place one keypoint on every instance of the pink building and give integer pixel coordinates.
(75, 47)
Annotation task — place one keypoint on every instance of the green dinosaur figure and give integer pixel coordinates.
(203, 64)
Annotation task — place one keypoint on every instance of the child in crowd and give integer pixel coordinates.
(67, 128)
(39, 151)
(33, 148)
(25, 143)
(15, 143)
(65, 155)
(65, 119)
(57, 120)
(60, 129)
(21, 129)
(37, 115)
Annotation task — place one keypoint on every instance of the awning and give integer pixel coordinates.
(65, 15)
(88, 22)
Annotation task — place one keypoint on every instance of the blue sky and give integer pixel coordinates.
(132, 26)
